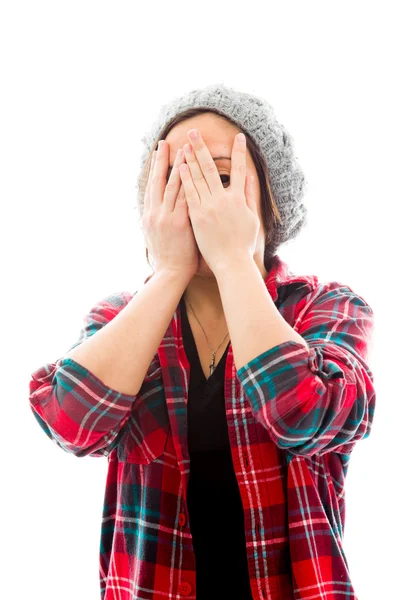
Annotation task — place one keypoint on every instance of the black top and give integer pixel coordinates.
(214, 502)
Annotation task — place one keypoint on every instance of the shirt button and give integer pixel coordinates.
(184, 588)
(182, 519)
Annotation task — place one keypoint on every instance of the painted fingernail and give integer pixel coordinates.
(241, 137)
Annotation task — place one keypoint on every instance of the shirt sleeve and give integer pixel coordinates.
(320, 398)
(74, 408)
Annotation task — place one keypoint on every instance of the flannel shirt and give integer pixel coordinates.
(294, 415)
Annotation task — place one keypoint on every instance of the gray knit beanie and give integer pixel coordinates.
(256, 117)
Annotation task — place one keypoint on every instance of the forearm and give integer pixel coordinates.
(120, 352)
(255, 324)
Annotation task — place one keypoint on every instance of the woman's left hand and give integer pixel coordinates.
(224, 220)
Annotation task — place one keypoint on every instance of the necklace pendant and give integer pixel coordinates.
(212, 364)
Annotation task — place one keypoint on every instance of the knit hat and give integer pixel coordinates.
(256, 117)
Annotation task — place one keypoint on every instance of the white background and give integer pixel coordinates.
(81, 82)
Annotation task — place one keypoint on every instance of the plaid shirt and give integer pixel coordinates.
(294, 415)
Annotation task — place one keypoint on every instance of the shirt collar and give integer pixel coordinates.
(279, 274)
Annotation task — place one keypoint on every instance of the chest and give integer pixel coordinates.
(215, 335)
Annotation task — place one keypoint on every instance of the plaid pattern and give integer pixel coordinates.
(293, 414)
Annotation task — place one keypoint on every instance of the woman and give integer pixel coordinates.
(228, 392)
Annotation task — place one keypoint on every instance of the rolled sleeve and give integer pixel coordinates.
(75, 408)
(319, 398)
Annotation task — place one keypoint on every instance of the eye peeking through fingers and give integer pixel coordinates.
(225, 182)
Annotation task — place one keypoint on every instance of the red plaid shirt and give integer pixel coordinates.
(293, 414)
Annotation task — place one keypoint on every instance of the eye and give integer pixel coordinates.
(223, 175)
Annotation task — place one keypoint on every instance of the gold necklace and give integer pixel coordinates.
(213, 351)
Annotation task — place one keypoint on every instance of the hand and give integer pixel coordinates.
(224, 220)
(165, 221)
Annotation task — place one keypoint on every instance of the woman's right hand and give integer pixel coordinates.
(165, 222)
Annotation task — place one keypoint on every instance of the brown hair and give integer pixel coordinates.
(269, 210)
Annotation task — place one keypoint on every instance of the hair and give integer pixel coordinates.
(269, 210)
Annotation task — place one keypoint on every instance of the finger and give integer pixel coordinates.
(238, 166)
(181, 203)
(147, 192)
(192, 196)
(197, 175)
(250, 193)
(157, 183)
(174, 183)
(207, 166)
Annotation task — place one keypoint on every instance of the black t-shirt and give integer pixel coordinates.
(214, 502)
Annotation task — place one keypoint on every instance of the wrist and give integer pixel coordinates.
(176, 275)
(230, 265)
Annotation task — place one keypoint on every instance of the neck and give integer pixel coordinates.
(203, 294)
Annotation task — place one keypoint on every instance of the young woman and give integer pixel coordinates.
(228, 392)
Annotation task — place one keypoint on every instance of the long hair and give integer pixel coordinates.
(269, 210)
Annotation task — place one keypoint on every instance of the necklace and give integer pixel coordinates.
(212, 368)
